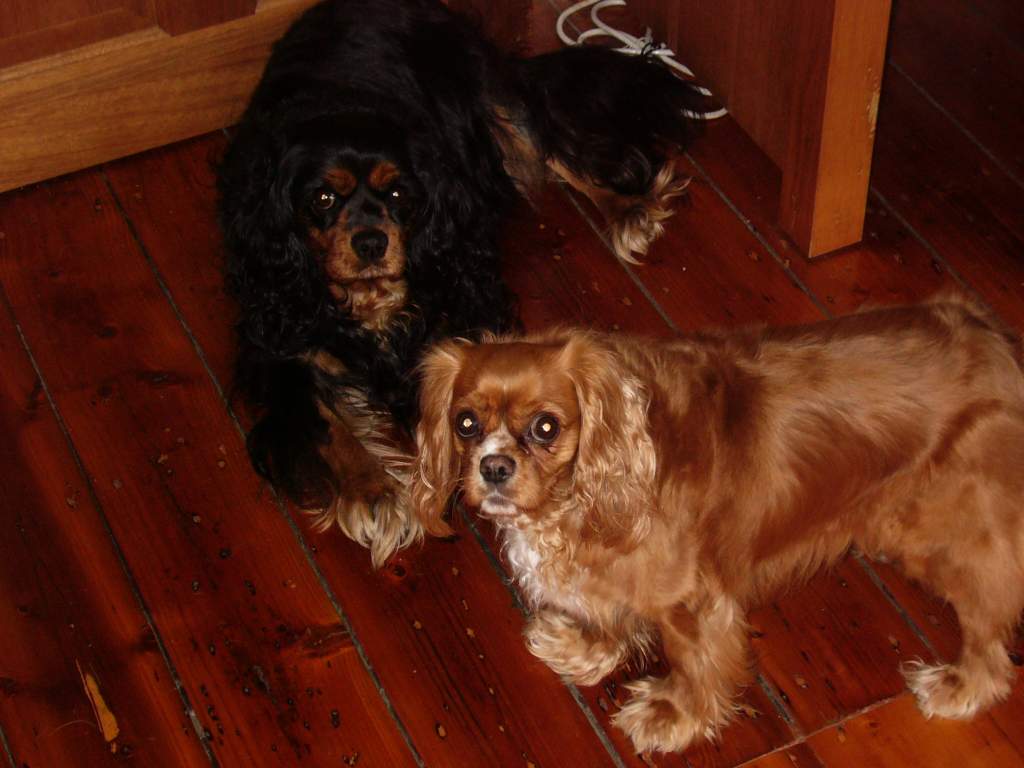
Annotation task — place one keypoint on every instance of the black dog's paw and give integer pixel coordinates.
(288, 455)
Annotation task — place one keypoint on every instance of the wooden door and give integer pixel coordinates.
(84, 81)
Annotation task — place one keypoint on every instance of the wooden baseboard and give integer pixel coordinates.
(99, 102)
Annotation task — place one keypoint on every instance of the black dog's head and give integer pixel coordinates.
(316, 216)
(353, 200)
(349, 219)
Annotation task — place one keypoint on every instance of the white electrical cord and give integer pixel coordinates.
(630, 44)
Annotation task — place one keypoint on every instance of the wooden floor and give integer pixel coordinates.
(160, 607)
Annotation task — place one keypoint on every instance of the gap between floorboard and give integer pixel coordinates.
(189, 710)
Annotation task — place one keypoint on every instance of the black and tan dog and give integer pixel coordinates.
(361, 198)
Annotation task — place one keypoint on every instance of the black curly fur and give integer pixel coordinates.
(417, 82)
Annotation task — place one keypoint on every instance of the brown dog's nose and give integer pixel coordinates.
(370, 245)
(496, 468)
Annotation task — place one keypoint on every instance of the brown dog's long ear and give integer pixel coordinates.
(435, 472)
(614, 476)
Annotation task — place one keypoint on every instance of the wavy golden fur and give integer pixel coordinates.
(647, 488)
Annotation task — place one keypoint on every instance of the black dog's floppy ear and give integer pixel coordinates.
(269, 270)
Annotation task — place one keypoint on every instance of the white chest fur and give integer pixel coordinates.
(537, 579)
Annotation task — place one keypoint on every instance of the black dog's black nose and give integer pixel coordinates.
(370, 245)
(496, 468)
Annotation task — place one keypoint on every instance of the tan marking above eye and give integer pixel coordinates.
(341, 180)
(383, 175)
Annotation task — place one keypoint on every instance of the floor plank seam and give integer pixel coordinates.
(752, 228)
(172, 671)
(602, 236)
(939, 259)
(781, 708)
(840, 722)
(517, 600)
(495, 561)
(993, 25)
(891, 598)
(993, 158)
(282, 507)
(777, 750)
(7, 748)
(805, 738)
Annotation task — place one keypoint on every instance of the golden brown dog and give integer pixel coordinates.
(646, 488)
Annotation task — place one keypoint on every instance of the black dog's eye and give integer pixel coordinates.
(544, 429)
(396, 193)
(466, 424)
(324, 199)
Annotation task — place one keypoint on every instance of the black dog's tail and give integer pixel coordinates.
(608, 116)
(610, 123)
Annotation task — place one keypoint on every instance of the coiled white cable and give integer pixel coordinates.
(630, 44)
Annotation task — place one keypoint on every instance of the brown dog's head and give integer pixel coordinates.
(550, 429)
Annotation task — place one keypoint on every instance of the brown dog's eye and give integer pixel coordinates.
(324, 199)
(466, 424)
(544, 429)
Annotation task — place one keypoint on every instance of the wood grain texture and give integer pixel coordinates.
(439, 626)
(176, 17)
(710, 270)
(838, 61)
(962, 59)
(953, 195)
(834, 646)
(68, 613)
(265, 659)
(22, 17)
(63, 113)
(73, 34)
(895, 735)
(797, 756)
(889, 266)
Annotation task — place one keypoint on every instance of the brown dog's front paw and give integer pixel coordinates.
(562, 644)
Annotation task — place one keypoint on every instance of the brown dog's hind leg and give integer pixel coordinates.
(969, 550)
(987, 595)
